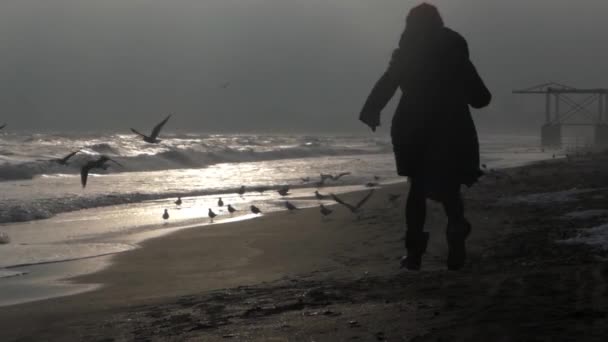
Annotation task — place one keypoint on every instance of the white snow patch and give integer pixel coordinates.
(596, 236)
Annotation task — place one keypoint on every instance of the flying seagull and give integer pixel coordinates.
(325, 177)
(94, 164)
(64, 160)
(354, 208)
(152, 139)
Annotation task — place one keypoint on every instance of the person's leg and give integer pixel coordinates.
(458, 228)
(415, 215)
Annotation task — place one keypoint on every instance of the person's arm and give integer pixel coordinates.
(382, 93)
(479, 94)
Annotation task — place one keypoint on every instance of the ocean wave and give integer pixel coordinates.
(174, 158)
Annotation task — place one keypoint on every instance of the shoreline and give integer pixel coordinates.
(292, 275)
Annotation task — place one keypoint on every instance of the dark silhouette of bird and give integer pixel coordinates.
(371, 184)
(3, 125)
(153, 138)
(241, 191)
(336, 177)
(284, 191)
(376, 178)
(64, 160)
(166, 215)
(211, 214)
(255, 209)
(393, 197)
(231, 209)
(94, 164)
(325, 211)
(319, 196)
(357, 207)
(179, 201)
(220, 203)
(290, 206)
(305, 179)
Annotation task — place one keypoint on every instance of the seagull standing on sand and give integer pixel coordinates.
(166, 215)
(319, 196)
(241, 190)
(325, 211)
(153, 138)
(220, 203)
(231, 209)
(255, 209)
(179, 201)
(94, 164)
(284, 191)
(211, 214)
(290, 206)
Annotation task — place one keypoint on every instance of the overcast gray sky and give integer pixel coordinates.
(293, 65)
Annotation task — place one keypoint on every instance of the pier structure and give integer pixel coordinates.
(569, 106)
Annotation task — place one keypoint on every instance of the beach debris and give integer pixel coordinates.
(4, 238)
(255, 209)
(166, 215)
(231, 209)
(94, 164)
(178, 202)
(284, 191)
(354, 208)
(220, 203)
(290, 206)
(153, 138)
(325, 211)
(211, 214)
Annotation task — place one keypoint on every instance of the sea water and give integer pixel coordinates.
(53, 223)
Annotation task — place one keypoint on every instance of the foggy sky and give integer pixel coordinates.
(293, 65)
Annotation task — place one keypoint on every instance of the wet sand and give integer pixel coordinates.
(297, 277)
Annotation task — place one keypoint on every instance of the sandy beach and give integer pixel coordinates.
(298, 277)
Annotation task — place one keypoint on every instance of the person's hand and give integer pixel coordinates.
(371, 119)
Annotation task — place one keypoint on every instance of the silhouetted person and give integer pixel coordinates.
(433, 135)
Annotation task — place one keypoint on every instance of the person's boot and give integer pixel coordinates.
(416, 246)
(457, 234)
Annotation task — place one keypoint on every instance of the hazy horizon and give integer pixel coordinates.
(298, 66)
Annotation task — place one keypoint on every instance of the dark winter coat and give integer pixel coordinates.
(433, 133)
